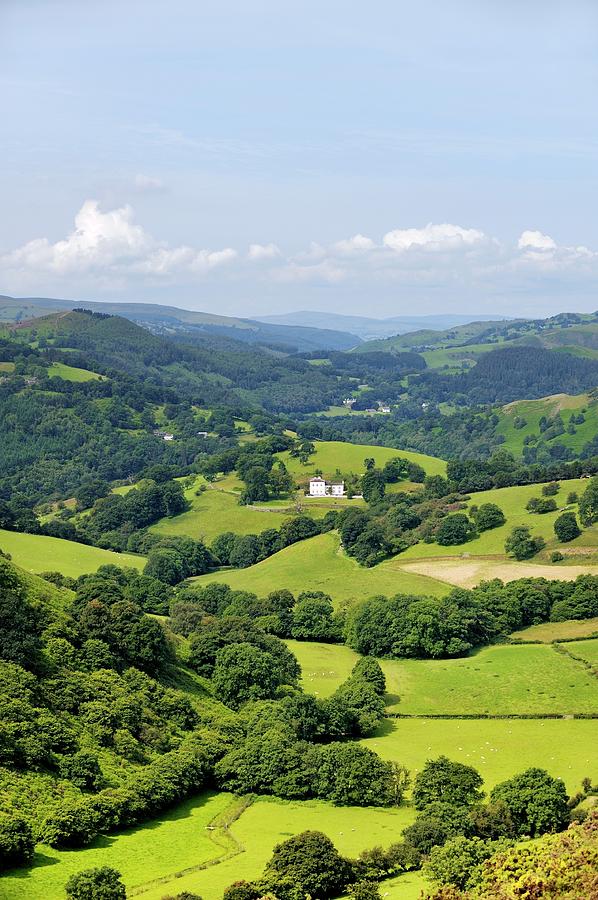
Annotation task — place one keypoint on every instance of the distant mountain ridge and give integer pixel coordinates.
(170, 320)
(369, 328)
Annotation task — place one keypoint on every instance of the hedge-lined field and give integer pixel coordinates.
(38, 553)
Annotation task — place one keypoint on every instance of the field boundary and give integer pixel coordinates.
(220, 835)
(473, 716)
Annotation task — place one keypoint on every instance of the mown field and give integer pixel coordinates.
(332, 455)
(37, 553)
(470, 572)
(506, 679)
(512, 501)
(587, 650)
(318, 564)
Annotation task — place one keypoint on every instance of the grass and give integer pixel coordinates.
(498, 680)
(588, 650)
(558, 631)
(332, 455)
(533, 410)
(71, 373)
(268, 822)
(7, 367)
(37, 553)
(512, 501)
(175, 840)
(317, 564)
(497, 748)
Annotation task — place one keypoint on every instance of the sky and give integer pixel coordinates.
(249, 158)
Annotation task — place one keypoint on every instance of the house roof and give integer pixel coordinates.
(316, 478)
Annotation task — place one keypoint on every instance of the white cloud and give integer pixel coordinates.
(433, 237)
(146, 184)
(263, 251)
(356, 244)
(535, 240)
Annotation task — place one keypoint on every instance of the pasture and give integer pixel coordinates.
(512, 501)
(318, 564)
(504, 679)
(268, 822)
(173, 841)
(558, 631)
(587, 650)
(497, 748)
(331, 456)
(71, 373)
(37, 553)
(531, 411)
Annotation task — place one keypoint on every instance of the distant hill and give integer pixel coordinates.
(171, 321)
(575, 333)
(369, 328)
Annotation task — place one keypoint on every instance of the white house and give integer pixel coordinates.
(318, 487)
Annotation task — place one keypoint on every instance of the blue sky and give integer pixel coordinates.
(249, 158)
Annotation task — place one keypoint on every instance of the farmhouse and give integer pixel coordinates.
(318, 487)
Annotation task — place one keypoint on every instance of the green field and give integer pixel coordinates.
(317, 564)
(268, 822)
(332, 455)
(512, 501)
(7, 367)
(497, 748)
(498, 680)
(37, 553)
(533, 410)
(71, 373)
(558, 631)
(173, 841)
(587, 650)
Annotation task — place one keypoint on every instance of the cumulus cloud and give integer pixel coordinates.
(110, 250)
(263, 251)
(433, 237)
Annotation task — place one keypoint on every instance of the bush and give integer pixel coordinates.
(455, 529)
(521, 544)
(16, 840)
(96, 884)
(487, 516)
(556, 556)
(566, 527)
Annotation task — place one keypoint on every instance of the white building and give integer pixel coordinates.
(318, 487)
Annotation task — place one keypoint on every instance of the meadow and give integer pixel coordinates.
(71, 373)
(318, 564)
(37, 553)
(558, 631)
(533, 410)
(470, 572)
(587, 650)
(331, 456)
(504, 679)
(512, 501)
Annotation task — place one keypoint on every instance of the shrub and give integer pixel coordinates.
(455, 529)
(521, 544)
(16, 840)
(96, 884)
(566, 527)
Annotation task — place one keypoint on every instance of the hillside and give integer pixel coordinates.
(170, 320)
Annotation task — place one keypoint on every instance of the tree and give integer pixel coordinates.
(369, 669)
(521, 544)
(352, 775)
(588, 505)
(165, 564)
(566, 527)
(244, 672)
(83, 770)
(536, 801)
(16, 840)
(22, 623)
(458, 861)
(103, 883)
(313, 618)
(489, 515)
(455, 529)
(311, 862)
(365, 890)
(448, 781)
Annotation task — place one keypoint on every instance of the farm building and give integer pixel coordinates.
(318, 487)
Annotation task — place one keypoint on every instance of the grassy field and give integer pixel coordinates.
(588, 650)
(499, 680)
(36, 553)
(512, 501)
(558, 631)
(268, 822)
(175, 840)
(470, 572)
(317, 565)
(71, 373)
(7, 367)
(497, 748)
(533, 410)
(333, 455)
